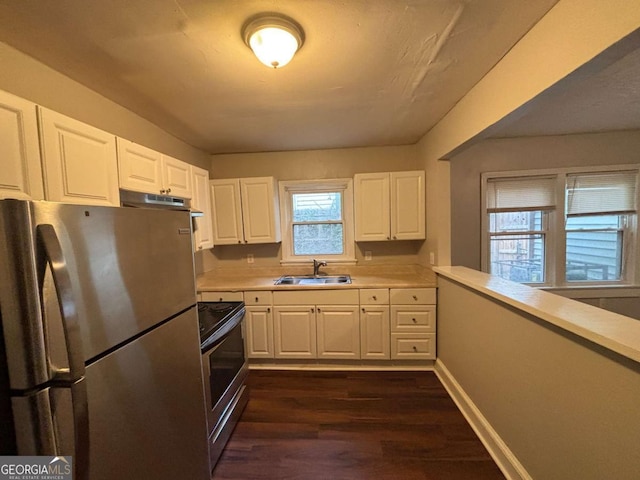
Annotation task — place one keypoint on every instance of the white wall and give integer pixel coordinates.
(312, 165)
(28, 78)
(566, 44)
(566, 408)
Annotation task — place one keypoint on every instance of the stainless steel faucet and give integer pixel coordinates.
(316, 266)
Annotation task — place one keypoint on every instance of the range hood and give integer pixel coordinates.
(129, 198)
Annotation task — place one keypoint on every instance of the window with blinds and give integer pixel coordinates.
(597, 218)
(528, 221)
(518, 226)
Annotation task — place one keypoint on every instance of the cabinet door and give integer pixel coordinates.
(259, 328)
(371, 209)
(261, 218)
(338, 331)
(20, 172)
(407, 205)
(226, 211)
(79, 161)
(176, 177)
(374, 333)
(294, 330)
(139, 168)
(203, 234)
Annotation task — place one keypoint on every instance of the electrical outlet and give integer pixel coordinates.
(250, 258)
(367, 255)
(432, 258)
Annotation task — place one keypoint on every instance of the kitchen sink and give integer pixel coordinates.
(311, 280)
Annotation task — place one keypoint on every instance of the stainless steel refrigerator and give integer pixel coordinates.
(100, 350)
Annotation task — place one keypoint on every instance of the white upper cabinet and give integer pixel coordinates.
(79, 161)
(139, 168)
(389, 206)
(142, 169)
(20, 169)
(203, 235)
(407, 205)
(245, 210)
(177, 177)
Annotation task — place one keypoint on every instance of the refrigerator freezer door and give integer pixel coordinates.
(129, 268)
(146, 407)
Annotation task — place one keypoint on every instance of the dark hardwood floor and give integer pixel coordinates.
(352, 425)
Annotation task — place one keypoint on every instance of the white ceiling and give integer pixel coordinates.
(371, 72)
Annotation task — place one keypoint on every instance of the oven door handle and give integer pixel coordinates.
(218, 336)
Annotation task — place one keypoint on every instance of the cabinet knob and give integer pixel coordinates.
(415, 298)
(415, 349)
(163, 191)
(168, 190)
(363, 310)
(268, 309)
(239, 241)
(313, 310)
(395, 238)
(200, 247)
(319, 310)
(256, 299)
(375, 298)
(388, 238)
(220, 298)
(246, 241)
(413, 320)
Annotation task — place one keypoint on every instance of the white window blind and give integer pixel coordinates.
(602, 193)
(520, 194)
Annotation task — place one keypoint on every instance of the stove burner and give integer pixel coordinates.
(212, 316)
(218, 307)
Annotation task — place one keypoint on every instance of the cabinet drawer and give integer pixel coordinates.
(409, 346)
(413, 319)
(262, 297)
(374, 296)
(221, 296)
(413, 296)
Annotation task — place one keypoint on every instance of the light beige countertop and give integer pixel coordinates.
(263, 278)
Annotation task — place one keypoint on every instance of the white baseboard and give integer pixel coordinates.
(499, 451)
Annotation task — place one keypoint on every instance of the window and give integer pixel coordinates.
(588, 237)
(317, 220)
(518, 226)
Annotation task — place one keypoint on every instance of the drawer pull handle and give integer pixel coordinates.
(414, 320)
(220, 298)
(415, 298)
(375, 298)
(415, 349)
(256, 299)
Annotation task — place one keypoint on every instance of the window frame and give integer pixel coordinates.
(555, 246)
(286, 190)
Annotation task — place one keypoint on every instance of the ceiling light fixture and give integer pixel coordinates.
(274, 38)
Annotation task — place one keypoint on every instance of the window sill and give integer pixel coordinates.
(595, 291)
(329, 262)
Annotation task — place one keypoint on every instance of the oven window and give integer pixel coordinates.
(225, 361)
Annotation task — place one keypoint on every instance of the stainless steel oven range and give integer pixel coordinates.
(225, 370)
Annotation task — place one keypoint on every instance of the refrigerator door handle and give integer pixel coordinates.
(74, 375)
(48, 239)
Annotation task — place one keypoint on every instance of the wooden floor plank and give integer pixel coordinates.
(352, 425)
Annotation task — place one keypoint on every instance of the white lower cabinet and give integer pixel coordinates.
(374, 324)
(316, 324)
(294, 331)
(366, 324)
(413, 323)
(338, 331)
(258, 324)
